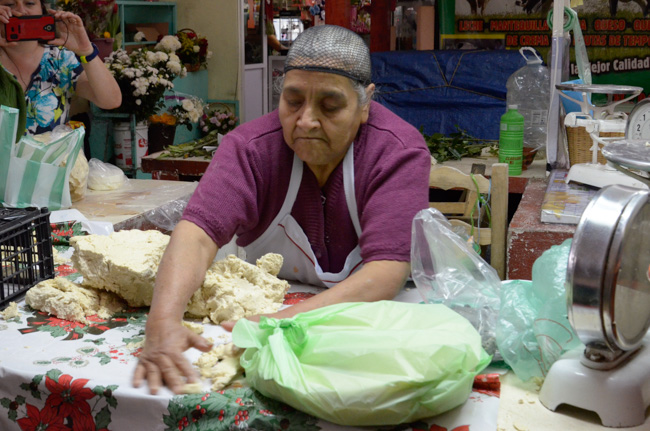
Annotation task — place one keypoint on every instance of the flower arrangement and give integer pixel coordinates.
(100, 17)
(194, 51)
(144, 75)
(217, 120)
(186, 112)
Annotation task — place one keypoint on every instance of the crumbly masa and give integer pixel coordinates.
(11, 311)
(221, 365)
(58, 258)
(233, 289)
(197, 328)
(124, 262)
(271, 263)
(193, 388)
(70, 301)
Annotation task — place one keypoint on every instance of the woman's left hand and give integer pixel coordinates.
(71, 33)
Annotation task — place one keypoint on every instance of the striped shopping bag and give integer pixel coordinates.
(34, 173)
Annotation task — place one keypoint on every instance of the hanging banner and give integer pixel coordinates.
(616, 34)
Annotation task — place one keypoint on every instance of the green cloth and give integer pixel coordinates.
(12, 95)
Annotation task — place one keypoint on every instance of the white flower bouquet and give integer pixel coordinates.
(144, 75)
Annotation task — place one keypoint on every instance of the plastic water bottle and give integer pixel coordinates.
(511, 140)
(529, 89)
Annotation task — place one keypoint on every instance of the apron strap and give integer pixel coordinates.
(348, 185)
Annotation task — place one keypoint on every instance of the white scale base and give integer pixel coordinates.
(619, 396)
(597, 175)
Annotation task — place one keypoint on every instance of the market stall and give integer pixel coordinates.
(88, 367)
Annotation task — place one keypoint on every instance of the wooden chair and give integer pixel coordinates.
(463, 212)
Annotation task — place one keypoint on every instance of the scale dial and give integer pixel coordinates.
(607, 273)
(638, 122)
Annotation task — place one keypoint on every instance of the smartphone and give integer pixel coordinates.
(32, 27)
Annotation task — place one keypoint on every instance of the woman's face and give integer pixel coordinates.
(25, 7)
(320, 116)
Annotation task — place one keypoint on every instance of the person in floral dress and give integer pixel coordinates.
(51, 73)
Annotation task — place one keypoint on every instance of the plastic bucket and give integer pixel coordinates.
(122, 138)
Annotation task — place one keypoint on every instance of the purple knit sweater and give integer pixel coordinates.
(245, 185)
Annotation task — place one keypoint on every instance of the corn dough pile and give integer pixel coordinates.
(70, 301)
(125, 263)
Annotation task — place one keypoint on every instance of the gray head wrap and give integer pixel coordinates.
(331, 49)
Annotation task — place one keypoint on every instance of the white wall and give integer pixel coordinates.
(219, 21)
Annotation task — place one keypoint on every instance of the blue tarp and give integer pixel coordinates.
(437, 90)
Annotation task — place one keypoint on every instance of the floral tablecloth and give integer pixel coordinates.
(59, 375)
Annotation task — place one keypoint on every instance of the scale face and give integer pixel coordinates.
(607, 275)
(638, 122)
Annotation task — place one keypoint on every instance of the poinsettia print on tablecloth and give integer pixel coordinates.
(62, 232)
(235, 408)
(69, 330)
(57, 402)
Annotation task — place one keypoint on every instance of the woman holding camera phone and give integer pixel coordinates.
(50, 72)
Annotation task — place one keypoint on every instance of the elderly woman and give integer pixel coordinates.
(51, 73)
(330, 180)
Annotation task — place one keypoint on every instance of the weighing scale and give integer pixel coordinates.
(597, 119)
(608, 294)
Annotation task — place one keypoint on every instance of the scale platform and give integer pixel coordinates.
(597, 119)
(619, 397)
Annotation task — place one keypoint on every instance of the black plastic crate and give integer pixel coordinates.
(25, 250)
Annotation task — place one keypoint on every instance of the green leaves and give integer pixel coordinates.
(457, 145)
(192, 148)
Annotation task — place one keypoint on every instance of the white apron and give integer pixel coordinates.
(286, 237)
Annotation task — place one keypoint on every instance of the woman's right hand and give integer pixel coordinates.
(162, 360)
(5, 13)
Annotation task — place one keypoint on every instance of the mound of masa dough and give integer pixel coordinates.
(126, 263)
(70, 301)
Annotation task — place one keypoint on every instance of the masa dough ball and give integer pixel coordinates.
(124, 262)
(69, 301)
(78, 178)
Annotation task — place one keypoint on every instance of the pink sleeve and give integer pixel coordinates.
(225, 200)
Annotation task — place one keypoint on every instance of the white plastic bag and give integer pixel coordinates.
(104, 176)
(447, 270)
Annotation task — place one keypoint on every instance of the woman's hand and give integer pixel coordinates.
(71, 33)
(162, 361)
(5, 13)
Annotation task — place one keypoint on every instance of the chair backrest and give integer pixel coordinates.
(463, 212)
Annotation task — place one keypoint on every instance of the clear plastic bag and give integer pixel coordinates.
(533, 328)
(378, 363)
(104, 176)
(447, 270)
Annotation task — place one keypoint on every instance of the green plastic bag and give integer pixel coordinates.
(533, 328)
(378, 363)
